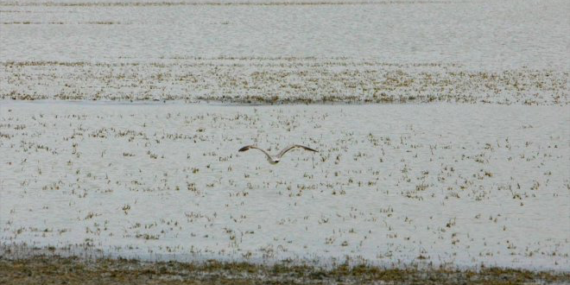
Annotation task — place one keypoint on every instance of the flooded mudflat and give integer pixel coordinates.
(441, 129)
(391, 185)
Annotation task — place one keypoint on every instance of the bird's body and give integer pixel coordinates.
(274, 159)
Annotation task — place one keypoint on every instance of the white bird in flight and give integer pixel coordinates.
(275, 159)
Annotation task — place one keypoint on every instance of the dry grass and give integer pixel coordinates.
(72, 270)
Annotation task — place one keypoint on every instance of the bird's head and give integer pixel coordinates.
(275, 160)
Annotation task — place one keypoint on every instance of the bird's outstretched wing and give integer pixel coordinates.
(248, 147)
(281, 153)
